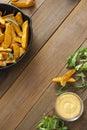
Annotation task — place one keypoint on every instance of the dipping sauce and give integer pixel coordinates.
(69, 106)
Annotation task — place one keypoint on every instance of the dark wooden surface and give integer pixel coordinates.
(26, 90)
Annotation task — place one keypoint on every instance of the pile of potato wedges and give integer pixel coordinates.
(14, 34)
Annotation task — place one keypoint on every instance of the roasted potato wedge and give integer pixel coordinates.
(24, 4)
(65, 78)
(2, 21)
(3, 63)
(1, 38)
(16, 50)
(19, 18)
(25, 29)
(2, 49)
(7, 39)
(4, 55)
(7, 16)
(22, 51)
(17, 30)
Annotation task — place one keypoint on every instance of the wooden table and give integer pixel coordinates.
(26, 90)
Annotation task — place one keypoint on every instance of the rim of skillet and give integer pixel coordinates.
(7, 9)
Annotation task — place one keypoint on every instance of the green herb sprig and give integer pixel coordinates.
(78, 60)
(61, 90)
(51, 123)
(83, 81)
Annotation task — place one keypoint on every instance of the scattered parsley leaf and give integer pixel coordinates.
(60, 91)
(72, 60)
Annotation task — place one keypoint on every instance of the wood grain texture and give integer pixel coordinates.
(37, 76)
(4, 1)
(46, 103)
(45, 22)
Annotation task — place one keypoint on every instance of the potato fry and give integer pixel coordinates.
(1, 38)
(17, 30)
(68, 74)
(17, 39)
(13, 0)
(3, 63)
(16, 50)
(71, 80)
(19, 18)
(65, 78)
(22, 51)
(2, 21)
(3, 55)
(13, 35)
(10, 61)
(58, 79)
(7, 16)
(5, 49)
(24, 4)
(7, 39)
(0, 31)
(25, 32)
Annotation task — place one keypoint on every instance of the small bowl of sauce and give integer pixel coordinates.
(69, 106)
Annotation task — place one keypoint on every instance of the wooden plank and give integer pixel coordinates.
(43, 27)
(46, 103)
(4, 1)
(28, 88)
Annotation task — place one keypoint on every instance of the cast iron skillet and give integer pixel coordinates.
(7, 9)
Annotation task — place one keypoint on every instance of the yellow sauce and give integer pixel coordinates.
(68, 106)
